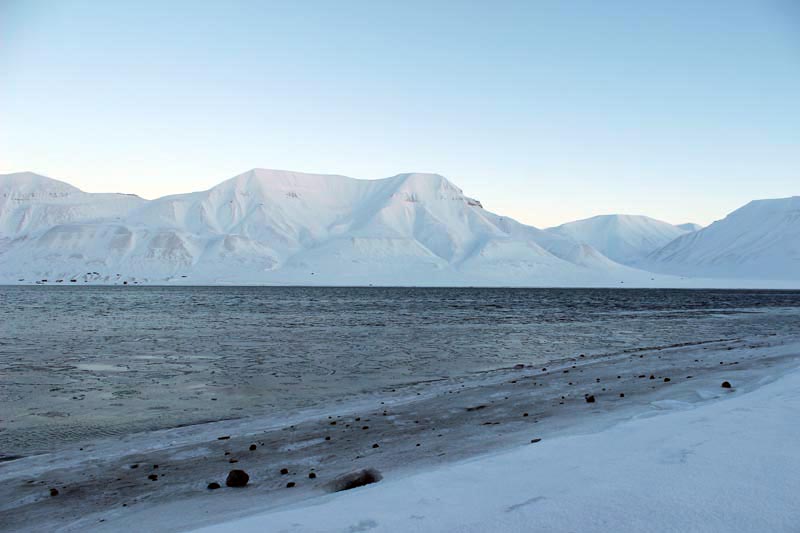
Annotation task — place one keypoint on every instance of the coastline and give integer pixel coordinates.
(725, 465)
(453, 422)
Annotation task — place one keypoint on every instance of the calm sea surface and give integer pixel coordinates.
(86, 362)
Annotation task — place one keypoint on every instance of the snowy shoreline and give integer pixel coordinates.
(453, 422)
(728, 465)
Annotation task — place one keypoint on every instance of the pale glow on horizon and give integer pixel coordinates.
(545, 112)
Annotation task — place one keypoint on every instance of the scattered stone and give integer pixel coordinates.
(153, 477)
(726, 385)
(134, 466)
(232, 460)
(213, 486)
(666, 380)
(524, 414)
(355, 479)
(652, 376)
(590, 398)
(534, 441)
(328, 437)
(237, 478)
(284, 471)
(621, 394)
(226, 437)
(155, 466)
(290, 484)
(375, 445)
(312, 475)
(253, 447)
(53, 492)
(476, 408)
(519, 366)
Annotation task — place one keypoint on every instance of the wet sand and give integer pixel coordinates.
(140, 482)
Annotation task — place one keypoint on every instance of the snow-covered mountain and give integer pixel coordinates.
(690, 226)
(279, 227)
(758, 241)
(268, 226)
(30, 203)
(625, 239)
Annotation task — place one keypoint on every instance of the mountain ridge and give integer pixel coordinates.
(283, 227)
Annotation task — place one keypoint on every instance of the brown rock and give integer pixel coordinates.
(726, 385)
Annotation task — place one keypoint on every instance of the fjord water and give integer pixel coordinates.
(78, 363)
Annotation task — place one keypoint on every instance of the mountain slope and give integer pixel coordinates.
(30, 202)
(758, 241)
(622, 238)
(267, 226)
(690, 226)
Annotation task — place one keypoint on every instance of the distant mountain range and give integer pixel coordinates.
(279, 227)
(623, 238)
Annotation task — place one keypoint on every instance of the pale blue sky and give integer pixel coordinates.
(545, 111)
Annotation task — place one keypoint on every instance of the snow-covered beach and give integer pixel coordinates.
(464, 455)
(726, 465)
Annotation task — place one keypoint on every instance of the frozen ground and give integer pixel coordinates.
(677, 455)
(731, 465)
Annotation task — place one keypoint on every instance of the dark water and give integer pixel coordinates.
(79, 363)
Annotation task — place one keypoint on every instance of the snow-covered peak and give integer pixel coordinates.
(690, 226)
(760, 240)
(278, 226)
(31, 185)
(623, 238)
(30, 202)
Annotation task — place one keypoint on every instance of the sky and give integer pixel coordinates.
(546, 111)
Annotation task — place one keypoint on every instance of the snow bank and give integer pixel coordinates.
(731, 465)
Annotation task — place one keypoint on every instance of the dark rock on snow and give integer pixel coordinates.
(355, 479)
(237, 478)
